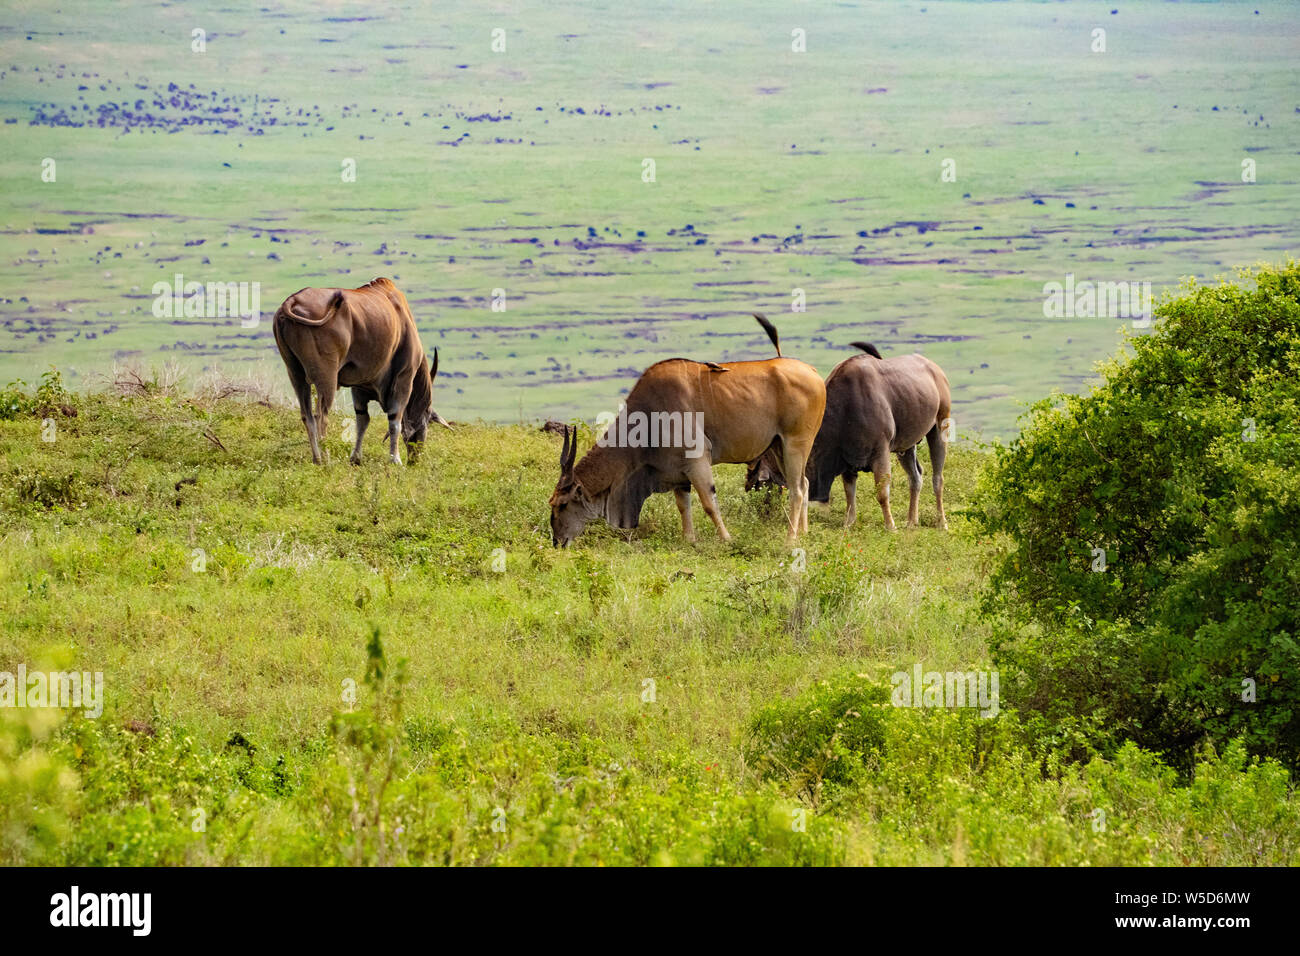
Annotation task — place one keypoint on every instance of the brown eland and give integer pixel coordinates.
(681, 418)
(364, 339)
(874, 407)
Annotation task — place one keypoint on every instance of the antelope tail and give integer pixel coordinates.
(302, 318)
(770, 329)
(433, 373)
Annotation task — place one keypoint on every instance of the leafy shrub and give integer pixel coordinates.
(48, 491)
(825, 739)
(49, 396)
(834, 577)
(1183, 466)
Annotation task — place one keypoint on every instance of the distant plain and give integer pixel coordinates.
(521, 171)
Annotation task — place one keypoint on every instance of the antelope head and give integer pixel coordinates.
(571, 507)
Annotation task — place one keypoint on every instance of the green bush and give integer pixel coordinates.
(1184, 467)
(910, 785)
(49, 396)
(824, 741)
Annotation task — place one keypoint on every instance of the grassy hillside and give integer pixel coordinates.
(624, 701)
(520, 170)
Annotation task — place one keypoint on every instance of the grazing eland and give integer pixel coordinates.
(681, 418)
(874, 407)
(364, 339)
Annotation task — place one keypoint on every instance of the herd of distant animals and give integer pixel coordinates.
(776, 416)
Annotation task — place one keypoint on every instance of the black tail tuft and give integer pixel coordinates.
(868, 348)
(770, 329)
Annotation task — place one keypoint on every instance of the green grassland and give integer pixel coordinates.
(228, 591)
(521, 170)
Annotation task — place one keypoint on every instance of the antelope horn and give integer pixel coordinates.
(573, 451)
